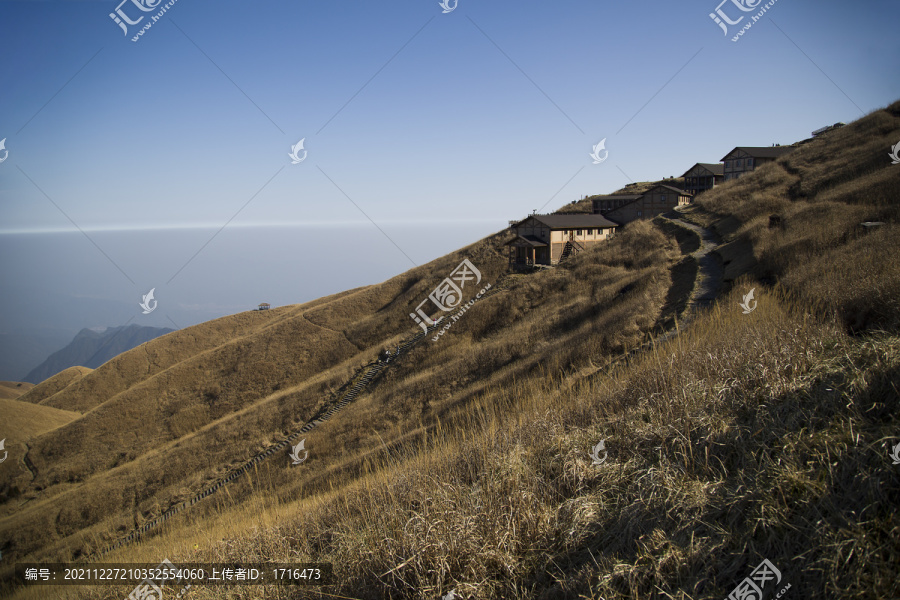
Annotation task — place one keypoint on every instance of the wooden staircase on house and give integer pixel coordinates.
(570, 249)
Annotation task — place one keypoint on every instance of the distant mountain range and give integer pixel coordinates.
(21, 350)
(92, 348)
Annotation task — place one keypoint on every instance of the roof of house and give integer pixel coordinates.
(618, 197)
(670, 188)
(526, 240)
(571, 221)
(714, 168)
(761, 151)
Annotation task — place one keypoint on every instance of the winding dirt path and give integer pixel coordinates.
(710, 273)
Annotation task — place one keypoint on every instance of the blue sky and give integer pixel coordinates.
(454, 122)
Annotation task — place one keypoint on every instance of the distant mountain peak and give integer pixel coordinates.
(93, 346)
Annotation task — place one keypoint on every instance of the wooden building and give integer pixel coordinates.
(604, 204)
(703, 176)
(549, 239)
(655, 201)
(744, 159)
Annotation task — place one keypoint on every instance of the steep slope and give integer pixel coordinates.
(762, 435)
(467, 464)
(165, 420)
(799, 221)
(747, 437)
(92, 348)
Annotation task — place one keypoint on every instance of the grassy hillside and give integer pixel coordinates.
(13, 389)
(54, 384)
(802, 216)
(737, 438)
(177, 413)
(21, 423)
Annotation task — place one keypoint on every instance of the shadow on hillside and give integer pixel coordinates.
(684, 274)
(739, 462)
(688, 242)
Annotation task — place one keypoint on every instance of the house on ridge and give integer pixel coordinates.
(744, 159)
(703, 176)
(549, 239)
(657, 200)
(604, 204)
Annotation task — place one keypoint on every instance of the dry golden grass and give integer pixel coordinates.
(22, 421)
(820, 194)
(39, 394)
(10, 390)
(746, 437)
(174, 415)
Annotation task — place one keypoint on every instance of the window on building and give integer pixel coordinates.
(640, 213)
(662, 198)
(749, 162)
(738, 163)
(578, 232)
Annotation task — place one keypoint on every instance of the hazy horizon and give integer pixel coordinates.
(222, 279)
(423, 130)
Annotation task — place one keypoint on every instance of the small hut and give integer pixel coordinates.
(264, 306)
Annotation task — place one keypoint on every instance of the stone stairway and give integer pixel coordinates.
(361, 380)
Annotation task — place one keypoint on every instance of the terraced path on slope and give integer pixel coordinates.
(708, 282)
(358, 383)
